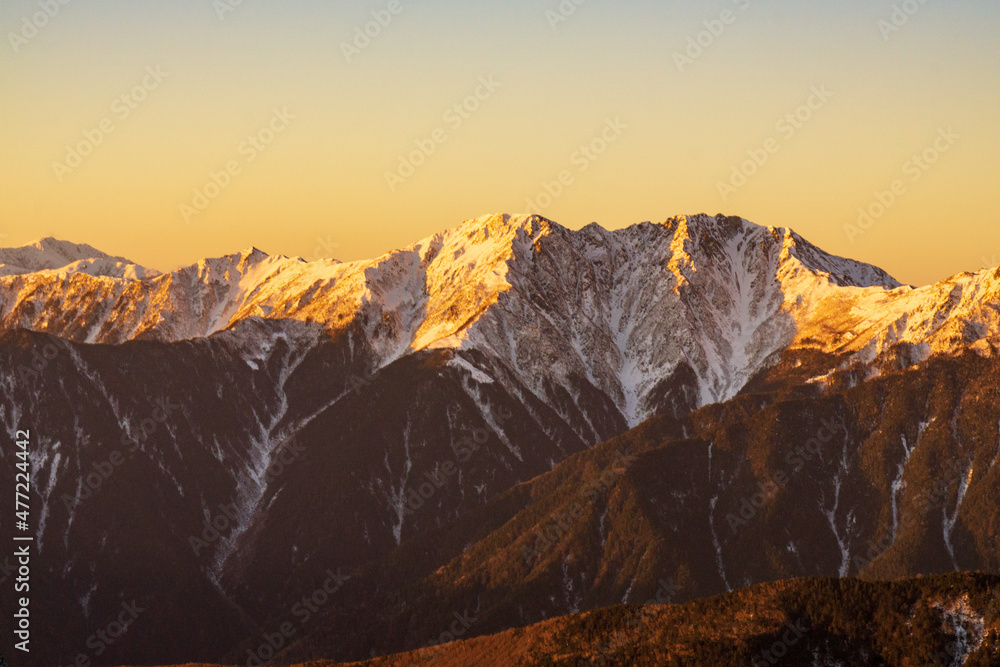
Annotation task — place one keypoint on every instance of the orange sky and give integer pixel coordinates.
(170, 132)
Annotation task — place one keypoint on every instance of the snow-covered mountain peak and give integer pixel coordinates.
(500, 231)
(60, 253)
(246, 257)
(910, 324)
(837, 270)
(64, 257)
(693, 306)
(702, 238)
(507, 222)
(253, 253)
(66, 249)
(244, 267)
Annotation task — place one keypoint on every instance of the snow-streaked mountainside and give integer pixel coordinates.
(623, 309)
(240, 428)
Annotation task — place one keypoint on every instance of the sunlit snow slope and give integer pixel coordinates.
(695, 306)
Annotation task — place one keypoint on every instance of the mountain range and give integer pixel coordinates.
(509, 421)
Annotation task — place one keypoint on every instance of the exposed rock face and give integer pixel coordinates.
(329, 416)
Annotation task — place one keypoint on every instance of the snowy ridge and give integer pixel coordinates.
(627, 313)
(624, 310)
(948, 317)
(65, 258)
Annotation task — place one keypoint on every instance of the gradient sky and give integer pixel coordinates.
(320, 187)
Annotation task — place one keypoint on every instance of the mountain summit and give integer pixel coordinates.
(624, 311)
(49, 254)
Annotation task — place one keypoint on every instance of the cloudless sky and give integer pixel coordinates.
(331, 126)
